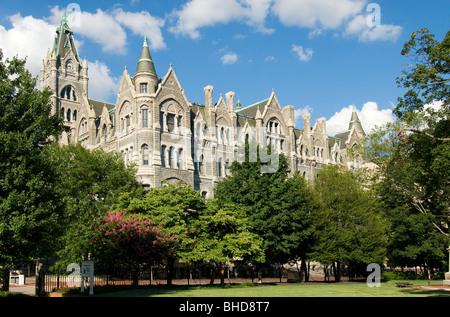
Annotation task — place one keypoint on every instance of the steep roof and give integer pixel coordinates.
(354, 121)
(251, 110)
(64, 41)
(145, 64)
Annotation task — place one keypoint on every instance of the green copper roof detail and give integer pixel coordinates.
(145, 64)
(354, 121)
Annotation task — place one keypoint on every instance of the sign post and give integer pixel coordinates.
(87, 271)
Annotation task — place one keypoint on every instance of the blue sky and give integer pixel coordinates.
(320, 56)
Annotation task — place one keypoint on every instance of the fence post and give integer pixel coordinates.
(40, 279)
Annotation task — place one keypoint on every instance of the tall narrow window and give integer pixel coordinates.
(163, 156)
(170, 122)
(144, 88)
(180, 159)
(145, 118)
(200, 165)
(105, 134)
(145, 154)
(219, 167)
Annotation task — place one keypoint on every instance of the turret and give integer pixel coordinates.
(145, 78)
(355, 122)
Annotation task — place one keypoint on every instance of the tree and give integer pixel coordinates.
(349, 225)
(175, 206)
(223, 235)
(131, 240)
(91, 182)
(277, 207)
(30, 210)
(412, 156)
(427, 81)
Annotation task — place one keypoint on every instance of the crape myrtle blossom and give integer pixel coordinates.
(125, 237)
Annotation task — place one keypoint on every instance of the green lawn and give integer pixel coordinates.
(387, 289)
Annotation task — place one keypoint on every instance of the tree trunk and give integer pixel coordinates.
(302, 270)
(212, 275)
(222, 274)
(4, 271)
(40, 279)
(170, 267)
(337, 271)
(259, 274)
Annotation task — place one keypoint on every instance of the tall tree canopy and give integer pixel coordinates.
(413, 155)
(276, 204)
(348, 220)
(30, 210)
(90, 182)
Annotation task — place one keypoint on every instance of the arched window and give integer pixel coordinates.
(68, 115)
(68, 93)
(145, 155)
(180, 158)
(170, 157)
(74, 117)
(227, 166)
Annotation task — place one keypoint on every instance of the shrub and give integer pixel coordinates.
(408, 275)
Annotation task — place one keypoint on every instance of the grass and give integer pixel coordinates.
(358, 289)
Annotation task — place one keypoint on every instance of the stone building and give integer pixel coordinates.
(170, 138)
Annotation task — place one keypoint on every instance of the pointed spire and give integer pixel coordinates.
(239, 105)
(354, 121)
(64, 41)
(145, 64)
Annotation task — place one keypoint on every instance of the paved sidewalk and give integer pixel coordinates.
(28, 289)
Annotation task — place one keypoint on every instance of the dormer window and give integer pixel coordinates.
(144, 88)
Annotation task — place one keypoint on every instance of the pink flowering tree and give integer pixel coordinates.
(133, 241)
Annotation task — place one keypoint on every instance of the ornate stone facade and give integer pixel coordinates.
(170, 138)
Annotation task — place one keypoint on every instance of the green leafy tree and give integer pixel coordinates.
(223, 236)
(91, 182)
(131, 240)
(276, 205)
(413, 156)
(349, 225)
(176, 206)
(30, 210)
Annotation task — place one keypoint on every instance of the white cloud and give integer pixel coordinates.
(100, 27)
(369, 115)
(28, 37)
(102, 86)
(359, 27)
(298, 113)
(304, 55)
(197, 14)
(143, 24)
(314, 14)
(229, 58)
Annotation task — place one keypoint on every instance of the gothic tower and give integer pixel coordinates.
(67, 76)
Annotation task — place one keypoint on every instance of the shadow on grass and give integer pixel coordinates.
(426, 292)
(161, 290)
